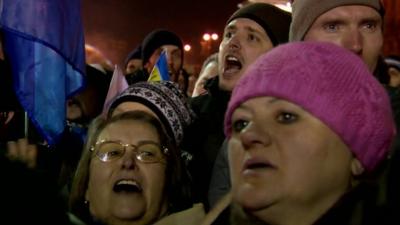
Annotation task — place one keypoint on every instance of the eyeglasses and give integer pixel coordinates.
(145, 151)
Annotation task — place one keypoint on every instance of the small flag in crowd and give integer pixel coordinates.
(160, 69)
(117, 85)
(43, 40)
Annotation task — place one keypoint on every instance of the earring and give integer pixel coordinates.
(86, 202)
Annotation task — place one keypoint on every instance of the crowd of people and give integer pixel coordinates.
(292, 122)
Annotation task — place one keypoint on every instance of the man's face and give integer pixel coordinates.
(209, 71)
(174, 60)
(244, 41)
(394, 74)
(355, 27)
(133, 65)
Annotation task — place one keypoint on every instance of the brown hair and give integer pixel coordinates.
(177, 181)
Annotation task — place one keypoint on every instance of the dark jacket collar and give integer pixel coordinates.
(356, 207)
(212, 86)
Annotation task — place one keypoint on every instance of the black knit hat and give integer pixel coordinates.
(156, 39)
(134, 54)
(276, 22)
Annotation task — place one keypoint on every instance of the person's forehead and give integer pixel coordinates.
(134, 61)
(132, 106)
(109, 131)
(245, 23)
(343, 10)
(169, 48)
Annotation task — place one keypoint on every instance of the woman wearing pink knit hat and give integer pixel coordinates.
(306, 124)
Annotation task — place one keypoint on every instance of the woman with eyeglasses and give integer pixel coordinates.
(132, 171)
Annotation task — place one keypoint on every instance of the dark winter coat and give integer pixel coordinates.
(205, 136)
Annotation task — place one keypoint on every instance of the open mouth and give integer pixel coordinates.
(257, 165)
(232, 64)
(127, 186)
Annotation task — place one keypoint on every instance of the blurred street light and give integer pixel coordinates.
(206, 37)
(187, 48)
(214, 36)
(209, 43)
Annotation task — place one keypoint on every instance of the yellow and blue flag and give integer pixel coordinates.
(160, 69)
(44, 43)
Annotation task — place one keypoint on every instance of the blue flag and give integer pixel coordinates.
(160, 69)
(43, 40)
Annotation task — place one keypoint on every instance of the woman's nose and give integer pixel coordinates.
(253, 135)
(128, 159)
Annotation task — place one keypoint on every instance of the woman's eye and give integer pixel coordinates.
(239, 125)
(115, 151)
(146, 153)
(287, 118)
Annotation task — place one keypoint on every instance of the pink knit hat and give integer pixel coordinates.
(332, 84)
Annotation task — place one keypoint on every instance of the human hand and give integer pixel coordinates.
(22, 151)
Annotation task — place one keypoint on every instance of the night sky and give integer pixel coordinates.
(117, 26)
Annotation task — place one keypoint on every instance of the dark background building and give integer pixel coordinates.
(115, 27)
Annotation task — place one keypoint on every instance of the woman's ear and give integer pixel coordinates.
(356, 167)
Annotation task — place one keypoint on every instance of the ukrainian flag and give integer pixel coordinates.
(160, 69)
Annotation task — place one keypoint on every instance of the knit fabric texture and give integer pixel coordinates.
(305, 12)
(332, 84)
(165, 99)
(156, 39)
(275, 21)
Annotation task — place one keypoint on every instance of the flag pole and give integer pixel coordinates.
(26, 124)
